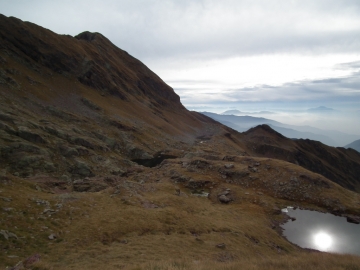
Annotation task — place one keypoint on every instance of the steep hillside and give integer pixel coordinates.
(337, 164)
(102, 167)
(80, 106)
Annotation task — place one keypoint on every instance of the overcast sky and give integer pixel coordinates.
(250, 55)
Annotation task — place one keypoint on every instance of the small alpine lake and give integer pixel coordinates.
(321, 231)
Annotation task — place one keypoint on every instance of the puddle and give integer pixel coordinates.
(152, 162)
(321, 231)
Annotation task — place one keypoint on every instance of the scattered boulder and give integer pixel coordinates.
(229, 166)
(353, 219)
(31, 260)
(225, 193)
(5, 199)
(30, 136)
(52, 236)
(8, 234)
(82, 169)
(192, 184)
(276, 210)
(68, 151)
(87, 185)
(221, 246)
(224, 199)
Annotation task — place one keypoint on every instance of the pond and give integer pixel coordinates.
(322, 231)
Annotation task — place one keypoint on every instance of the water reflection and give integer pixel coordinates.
(323, 240)
(324, 232)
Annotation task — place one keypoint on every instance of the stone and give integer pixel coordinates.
(221, 246)
(252, 169)
(224, 199)
(229, 166)
(30, 136)
(5, 199)
(8, 234)
(116, 171)
(49, 211)
(65, 178)
(226, 192)
(82, 169)
(353, 219)
(31, 260)
(68, 151)
(52, 236)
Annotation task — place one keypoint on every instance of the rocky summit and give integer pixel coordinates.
(101, 166)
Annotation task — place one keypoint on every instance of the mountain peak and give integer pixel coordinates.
(88, 36)
(321, 109)
(260, 129)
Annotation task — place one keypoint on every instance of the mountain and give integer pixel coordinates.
(321, 109)
(237, 112)
(243, 123)
(232, 112)
(292, 133)
(81, 97)
(354, 145)
(338, 164)
(103, 167)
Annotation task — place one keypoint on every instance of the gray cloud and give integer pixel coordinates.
(203, 28)
(336, 90)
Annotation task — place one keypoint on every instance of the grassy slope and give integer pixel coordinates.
(148, 225)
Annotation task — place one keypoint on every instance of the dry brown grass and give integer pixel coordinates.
(97, 231)
(300, 261)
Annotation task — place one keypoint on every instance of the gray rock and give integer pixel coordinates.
(229, 166)
(30, 136)
(226, 192)
(52, 236)
(65, 178)
(5, 199)
(117, 171)
(82, 169)
(68, 151)
(224, 199)
(8, 234)
(353, 219)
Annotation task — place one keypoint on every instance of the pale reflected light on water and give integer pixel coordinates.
(323, 240)
(322, 231)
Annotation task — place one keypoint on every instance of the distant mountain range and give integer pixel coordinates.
(328, 137)
(354, 145)
(321, 109)
(237, 112)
